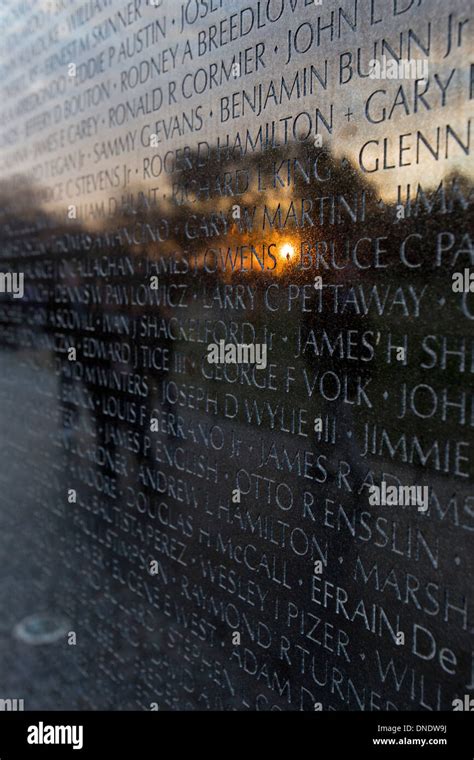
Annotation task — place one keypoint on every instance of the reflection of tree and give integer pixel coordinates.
(31, 235)
(278, 177)
(341, 203)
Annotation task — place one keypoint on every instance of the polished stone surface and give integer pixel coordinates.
(178, 175)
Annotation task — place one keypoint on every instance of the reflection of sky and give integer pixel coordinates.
(429, 21)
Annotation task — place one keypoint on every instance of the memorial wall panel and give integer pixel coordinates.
(236, 354)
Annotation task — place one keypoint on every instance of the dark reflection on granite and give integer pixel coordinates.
(123, 464)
